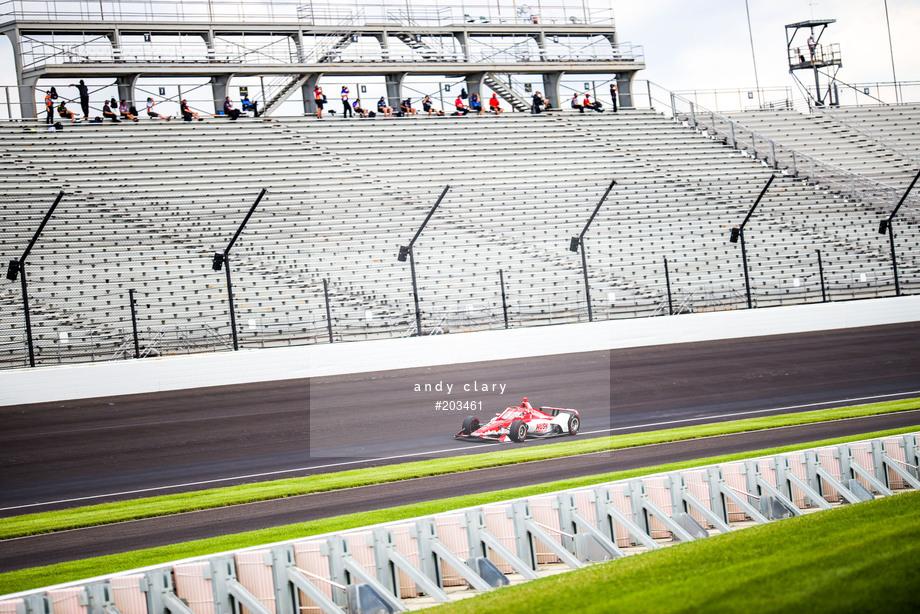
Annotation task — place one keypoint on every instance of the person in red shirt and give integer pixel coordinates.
(462, 109)
(320, 99)
(49, 108)
(587, 104)
(493, 104)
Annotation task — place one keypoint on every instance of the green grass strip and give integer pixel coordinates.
(851, 559)
(38, 577)
(121, 511)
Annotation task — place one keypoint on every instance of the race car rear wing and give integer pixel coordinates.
(554, 411)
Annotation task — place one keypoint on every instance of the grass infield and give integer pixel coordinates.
(121, 511)
(850, 559)
(38, 577)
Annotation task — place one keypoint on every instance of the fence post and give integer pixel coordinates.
(821, 275)
(667, 281)
(328, 310)
(692, 115)
(673, 107)
(501, 279)
(731, 130)
(137, 348)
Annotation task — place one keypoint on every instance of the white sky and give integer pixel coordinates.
(704, 44)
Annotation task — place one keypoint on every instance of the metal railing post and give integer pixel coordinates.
(747, 278)
(236, 344)
(501, 280)
(667, 281)
(821, 275)
(137, 347)
(584, 268)
(328, 309)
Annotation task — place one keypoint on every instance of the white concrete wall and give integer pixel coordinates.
(180, 372)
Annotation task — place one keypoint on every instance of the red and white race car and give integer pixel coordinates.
(519, 423)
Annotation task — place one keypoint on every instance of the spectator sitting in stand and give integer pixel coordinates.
(108, 113)
(575, 105)
(64, 112)
(539, 104)
(356, 105)
(587, 104)
(250, 106)
(126, 112)
(153, 114)
(383, 109)
(476, 104)
(462, 109)
(229, 111)
(428, 107)
(187, 113)
(406, 108)
(493, 104)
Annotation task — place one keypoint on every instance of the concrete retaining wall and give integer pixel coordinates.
(58, 383)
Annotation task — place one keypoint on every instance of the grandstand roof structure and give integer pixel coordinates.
(299, 42)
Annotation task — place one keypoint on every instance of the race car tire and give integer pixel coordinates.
(470, 425)
(574, 424)
(518, 431)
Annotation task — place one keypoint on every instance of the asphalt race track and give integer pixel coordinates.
(54, 548)
(63, 454)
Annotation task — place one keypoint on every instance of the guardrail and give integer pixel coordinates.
(436, 559)
(850, 185)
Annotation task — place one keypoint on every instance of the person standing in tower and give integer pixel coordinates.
(614, 94)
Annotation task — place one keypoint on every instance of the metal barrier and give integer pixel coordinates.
(848, 184)
(428, 560)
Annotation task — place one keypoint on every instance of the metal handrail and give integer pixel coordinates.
(854, 186)
(838, 117)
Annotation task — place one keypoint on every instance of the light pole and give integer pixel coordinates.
(580, 241)
(897, 97)
(738, 232)
(221, 259)
(18, 268)
(887, 225)
(406, 250)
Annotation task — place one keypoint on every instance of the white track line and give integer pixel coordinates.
(387, 458)
(755, 411)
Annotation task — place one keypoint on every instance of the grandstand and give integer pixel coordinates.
(147, 205)
(125, 261)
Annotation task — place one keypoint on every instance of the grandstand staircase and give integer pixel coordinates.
(415, 42)
(506, 94)
(283, 93)
(342, 40)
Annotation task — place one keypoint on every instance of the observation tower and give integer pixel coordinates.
(812, 55)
